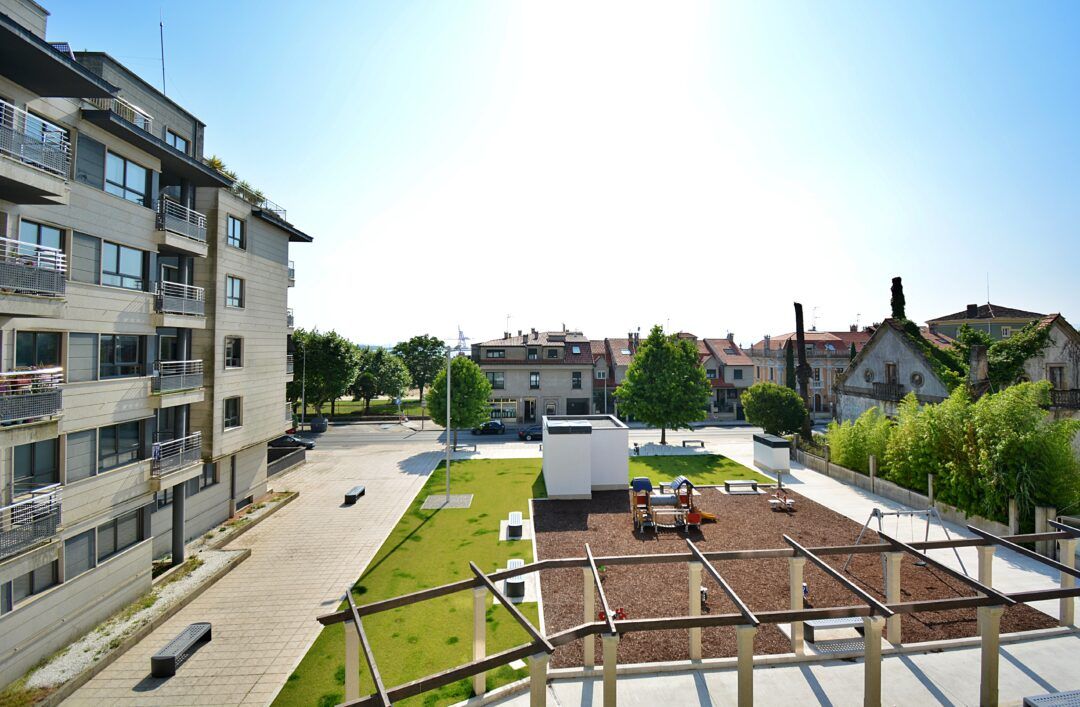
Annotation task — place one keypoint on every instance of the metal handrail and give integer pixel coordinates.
(288, 412)
(34, 141)
(292, 271)
(178, 368)
(29, 521)
(32, 255)
(41, 380)
(174, 376)
(126, 110)
(179, 289)
(289, 363)
(191, 222)
(289, 319)
(257, 199)
(176, 453)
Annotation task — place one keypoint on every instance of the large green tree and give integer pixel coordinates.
(665, 385)
(328, 366)
(469, 393)
(424, 356)
(777, 409)
(380, 373)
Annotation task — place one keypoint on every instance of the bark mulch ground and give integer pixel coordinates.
(745, 523)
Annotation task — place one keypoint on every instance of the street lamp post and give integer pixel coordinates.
(303, 389)
(449, 424)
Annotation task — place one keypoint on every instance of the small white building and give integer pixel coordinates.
(585, 453)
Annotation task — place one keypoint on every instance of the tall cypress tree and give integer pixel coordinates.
(789, 366)
(851, 353)
(897, 301)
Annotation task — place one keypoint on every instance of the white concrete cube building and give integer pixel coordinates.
(583, 453)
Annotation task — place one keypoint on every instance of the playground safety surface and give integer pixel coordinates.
(744, 523)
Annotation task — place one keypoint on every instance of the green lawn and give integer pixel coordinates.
(701, 469)
(426, 549)
(381, 406)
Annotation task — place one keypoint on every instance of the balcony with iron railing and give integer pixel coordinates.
(172, 376)
(31, 140)
(30, 396)
(256, 199)
(288, 412)
(289, 319)
(175, 454)
(29, 521)
(178, 298)
(1069, 399)
(289, 364)
(292, 273)
(129, 112)
(888, 391)
(179, 219)
(32, 269)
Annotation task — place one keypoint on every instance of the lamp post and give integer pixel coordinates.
(303, 389)
(449, 421)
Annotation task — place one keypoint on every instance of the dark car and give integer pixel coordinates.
(491, 427)
(530, 433)
(292, 441)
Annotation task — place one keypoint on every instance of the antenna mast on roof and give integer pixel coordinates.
(161, 35)
(988, 287)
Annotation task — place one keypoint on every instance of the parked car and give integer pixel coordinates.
(530, 433)
(491, 427)
(292, 441)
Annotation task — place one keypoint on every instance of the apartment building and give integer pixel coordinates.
(997, 321)
(143, 337)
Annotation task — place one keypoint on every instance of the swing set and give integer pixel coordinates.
(929, 513)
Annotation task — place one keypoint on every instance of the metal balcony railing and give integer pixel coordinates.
(34, 141)
(170, 376)
(29, 521)
(29, 396)
(178, 298)
(1065, 399)
(32, 268)
(888, 391)
(292, 273)
(257, 199)
(176, 454)
(289, 363)
(289, 320)
(129, 112)
(181, 220)
(288, 412)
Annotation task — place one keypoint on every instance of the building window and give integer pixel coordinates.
(39, 234)
(1006, 332)
(236, 236)
(892, 375)
(736, 373)
(533, 355)
(232, 413)
(575, 350)
(125, 179)
(496, 353)
(497, 380)
(78, 554)
(503, 409)
(234, 352)
(163, 498)
(176, 141)
(534, 380)
(710, 373)
(120, 356)
(118, 535)
(552, 353)
(209, 475)
(122, 266)
(1056, 376)
(772, 371)
(119, 445)
(817, 375)
(601, 374)
(234, 291)
(625, 352)
(37, 349)
(36, 465)
(575, 380)
(34, 582)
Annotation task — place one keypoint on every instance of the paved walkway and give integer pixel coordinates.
(263, 612)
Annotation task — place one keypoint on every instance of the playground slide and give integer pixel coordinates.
(710, 517)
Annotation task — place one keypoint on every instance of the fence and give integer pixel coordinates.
(29, 521)
(282, 458)
(177, 375)
(178, 298)
(32, 268)
(178, 218)
(176, 454)
(27, 396)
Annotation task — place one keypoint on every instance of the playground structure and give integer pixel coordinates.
(929, 513)
(670, 507)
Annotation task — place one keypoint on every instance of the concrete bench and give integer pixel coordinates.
(513, 526)
(1054, 699)
(353, 494)
(729, 485)
(829, 624)
(165, 662)
(515, 586)
(698, 442)
(465, 447)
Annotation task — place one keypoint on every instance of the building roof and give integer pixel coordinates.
(616, 347)
(560, 339)
(937, 339)
(988, 311)
(840, 339)
(728, 352)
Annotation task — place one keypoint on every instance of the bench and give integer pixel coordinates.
(165, 662)
(698, 442)
(513, 526)
(465, 446)
(1054, 699)
(729, 485)
(855, 622)
(353, 494)
(515, 586)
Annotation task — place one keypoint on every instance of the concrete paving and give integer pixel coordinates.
(263, 612)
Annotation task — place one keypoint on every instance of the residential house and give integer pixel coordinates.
(1059, 363)
(999, 322)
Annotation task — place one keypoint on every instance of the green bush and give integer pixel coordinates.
(776, 409)
(851, 444)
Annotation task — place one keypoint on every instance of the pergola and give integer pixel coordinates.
(876, 615)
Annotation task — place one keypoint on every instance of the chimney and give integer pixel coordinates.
(768, 341)
(853, 327)
(506, 335)
(731, 337)
(978, 365)
(519, 332)
(972, 311)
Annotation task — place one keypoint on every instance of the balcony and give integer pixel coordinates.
(29, 521)
(1069, 399)
(292, 273)
(289, 364)
(178, 298)
(179, 219)
(288, 412)
(289, 320)
(172, 376)
(129, 112)
(39, 155)
(888, 391)
(31, 269)
(172, 456)
(30, 396)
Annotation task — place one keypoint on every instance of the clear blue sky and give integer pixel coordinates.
(610, 166)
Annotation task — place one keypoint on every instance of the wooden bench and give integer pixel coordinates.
(855, 622)
(165, 662)
(513, 526)
(1054, 699)
(698, 442)
(353, 494)
(729, 485)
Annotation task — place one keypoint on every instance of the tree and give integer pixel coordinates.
(424, 356)
(852, 352)
(394, 379)
(365, 388)
(469, 393)
(775, 408)
(789, 365)
(897, 301)
(665, 385)
(386, 374)
(329, 366)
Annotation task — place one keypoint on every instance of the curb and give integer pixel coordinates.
(229, 537)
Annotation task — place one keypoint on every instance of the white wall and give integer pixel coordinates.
(567, 462)
(610, 458)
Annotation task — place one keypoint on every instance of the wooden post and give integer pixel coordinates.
(1051, 546)
(990, 626)
(479, 646)
(795, 573)
(1040, 527)
(986, 573)
(872, 626)
(1014, 517)
(1067, 557)
(589, 600)
(352, 662)
(873, 472)
(744, 638)
(695, 609)
(611, 650)
(930, 489)
(538, 665)
(892, 594)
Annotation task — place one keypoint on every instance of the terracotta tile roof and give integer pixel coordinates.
(989, 311)
(616, 347)
(840, 339)
(728, 352)
(939, 340)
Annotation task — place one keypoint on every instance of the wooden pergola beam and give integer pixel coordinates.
(518, 616)
(369, 656)
(600, 590)
(1070, 530)
(732, 594)
(855, 589)
(1026, 552)
(973, 583)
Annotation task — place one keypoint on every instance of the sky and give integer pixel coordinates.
(609, 166)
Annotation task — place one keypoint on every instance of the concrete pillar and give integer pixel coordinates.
(795, 573)
(986, 572)
(352, 662)
(479, 643)
(695, 609)
(179, 494)
(538, 665)
(990, 627)
(892, 594)
(930, 488)
(1043, 514)
(588, 643)
(872, 626)
(611, 662)
(744, 639)
(1067, 555)
(873, 471)
(1014, 517)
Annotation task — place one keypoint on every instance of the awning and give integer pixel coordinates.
(30, 61)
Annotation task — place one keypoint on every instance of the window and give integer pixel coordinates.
(552, 353)
(122, 266)
(533, 355)
(736, 373)
(235, 236)
(35, 465)
(232, 412)
(120, 356)
(817, 375)
(209, 475)
(118, 445)
(809, 348)
(81, 455)
(891, 373)
(575, 349)
(601, 374)
(39, 234)
(830, 347)
(710, 373)
(162, 498)
(1006, 332)
(771, 372)
(625, 352)
(234, 352)
(496, 353)
(497, 380)
(37, 349)
(575, 380)
(534, 380)
(1056, 376)
(118, 535)
(78, 554)
(234, 291)
(176, 141)
(34, 582)
(125, 179)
